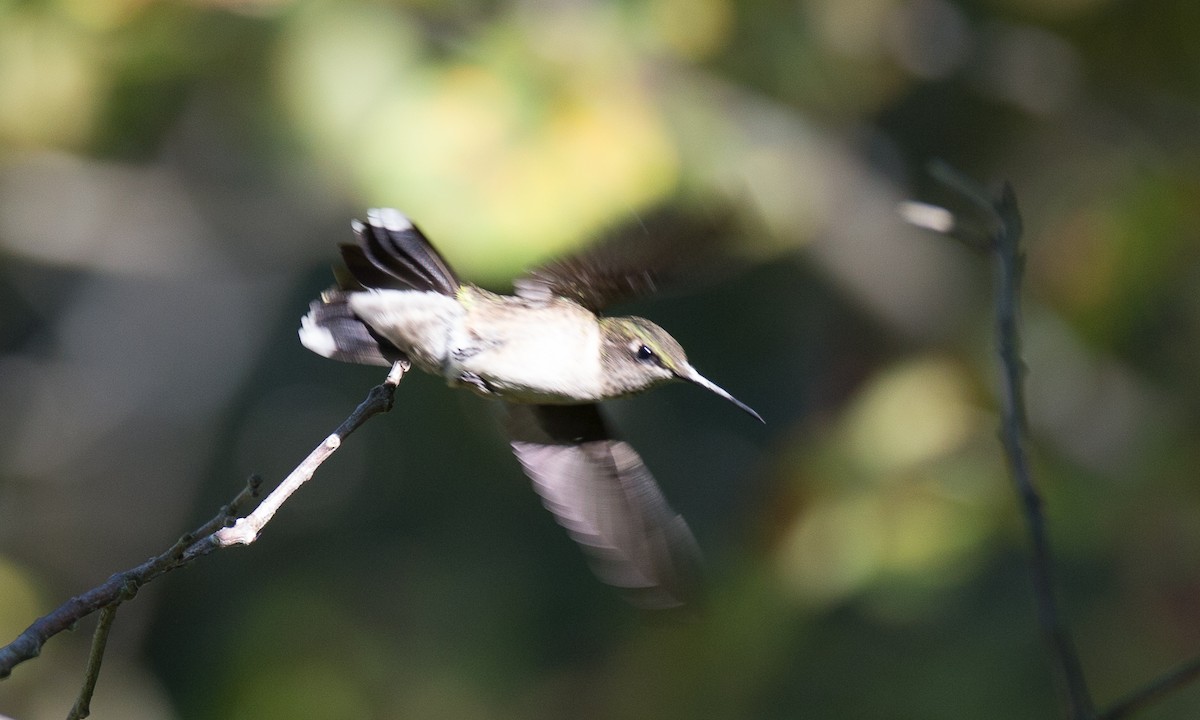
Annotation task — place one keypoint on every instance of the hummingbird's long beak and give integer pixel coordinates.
(692, 376)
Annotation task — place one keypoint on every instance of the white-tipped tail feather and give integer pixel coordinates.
(317, 338)
(332, 330)
(389, 219)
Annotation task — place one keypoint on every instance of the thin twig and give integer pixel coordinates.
(1004, 241)
(1011, 265)
(205, 539)
(1154, 690)
(246, 530)
(83, 705)
(29, 643)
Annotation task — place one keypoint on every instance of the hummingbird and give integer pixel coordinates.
(549, 354)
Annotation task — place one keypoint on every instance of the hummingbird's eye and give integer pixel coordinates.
(644, 353)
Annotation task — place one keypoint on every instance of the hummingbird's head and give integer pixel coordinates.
(638, 355)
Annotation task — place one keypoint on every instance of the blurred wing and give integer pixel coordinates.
(599, 489)
(662, 248)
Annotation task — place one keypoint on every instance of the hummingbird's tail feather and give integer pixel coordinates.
(600, 491)
(393, 253)
(360, 274)
(330, 329)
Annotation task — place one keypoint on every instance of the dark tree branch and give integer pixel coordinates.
(1005, 244)
(1010, 268)
(29, 643)
(212, 535)
(1003, 240)
(1154, 690)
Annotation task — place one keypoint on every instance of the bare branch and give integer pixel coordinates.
(1155, 690)
(83, 705)
(29, 643)
(214, 534)
(1004, 229)
(247, 529)
(1011, 265)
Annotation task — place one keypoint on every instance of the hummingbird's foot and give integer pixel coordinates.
(477, 383)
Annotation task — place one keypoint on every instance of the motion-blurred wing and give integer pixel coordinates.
(599, 489)
(665, 247)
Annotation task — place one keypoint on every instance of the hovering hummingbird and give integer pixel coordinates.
(551, 357)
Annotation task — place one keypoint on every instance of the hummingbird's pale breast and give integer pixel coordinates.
(508, 347)
(528, 350)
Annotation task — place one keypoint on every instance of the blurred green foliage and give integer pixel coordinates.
(174, 177)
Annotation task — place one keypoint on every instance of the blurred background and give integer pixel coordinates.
(174, 177)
